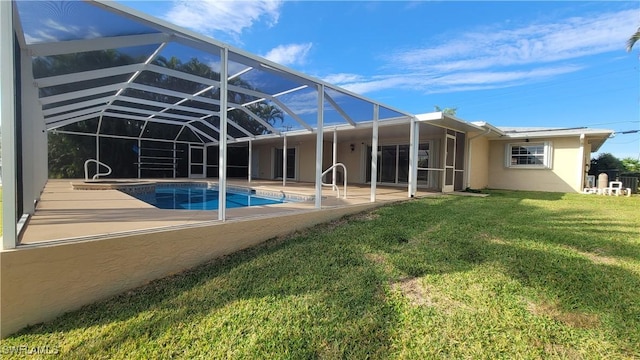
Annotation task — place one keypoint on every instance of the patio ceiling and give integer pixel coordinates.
(100, 67)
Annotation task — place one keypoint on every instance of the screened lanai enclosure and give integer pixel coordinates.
(94, 80)
(146, 100)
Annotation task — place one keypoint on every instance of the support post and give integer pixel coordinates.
(139, 157)
(443, 160)
(222, 159)
(319, 138)
(175, 160)
(98, 144)
(581, 165)
(8, 120)
(416, 141)
(334, 173)
(412, 157)
(249, 174)
(284, 160)
(374, 152)
(34, 155)
(29, 118)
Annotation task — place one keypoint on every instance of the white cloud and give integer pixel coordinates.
(303, 102)
(230, 17)
(454, 81)
(51, 30)
(342, 78)
(494, 57)
(496, 77)
(292, 54)
(532, 44)
(379, 83)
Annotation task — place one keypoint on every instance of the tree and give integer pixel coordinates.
(633, 39)
(605, 162)
(447, 111)
(631, 164)
(67, 153)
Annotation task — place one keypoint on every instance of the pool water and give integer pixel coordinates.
(202, 198)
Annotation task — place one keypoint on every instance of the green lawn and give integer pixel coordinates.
(513, 275)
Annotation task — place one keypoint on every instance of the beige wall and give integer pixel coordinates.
(478, 173)
(40, 283)
(562, 177)
(305, 161)
(262, 154)
(353, 160)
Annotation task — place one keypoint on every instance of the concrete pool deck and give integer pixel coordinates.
(65, 214)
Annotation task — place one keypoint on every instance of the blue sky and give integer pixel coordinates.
(510, 63)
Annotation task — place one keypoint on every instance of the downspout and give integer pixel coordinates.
(486, 132)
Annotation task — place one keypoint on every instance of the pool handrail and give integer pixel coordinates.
(333, 185)
(98, 173)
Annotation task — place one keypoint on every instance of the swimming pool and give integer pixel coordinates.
(201, 198)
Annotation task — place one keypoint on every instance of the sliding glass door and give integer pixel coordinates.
(387, 164)
(393, 164)
(291, 163)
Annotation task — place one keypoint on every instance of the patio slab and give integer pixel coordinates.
(65, 214)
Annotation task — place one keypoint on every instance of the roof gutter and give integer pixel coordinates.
(489, 127)
(486, 132)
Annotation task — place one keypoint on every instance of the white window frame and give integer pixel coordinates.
(546, 156)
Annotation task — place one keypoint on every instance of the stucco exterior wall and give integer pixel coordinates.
(262, 156)
(478, 172)
(354, 160)
(305, 158)
(562, 177)
(40, 283)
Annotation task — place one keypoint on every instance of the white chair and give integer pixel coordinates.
(615, 188)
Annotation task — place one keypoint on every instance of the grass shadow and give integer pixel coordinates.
(580, 265)
(324, 292)
(300, 293)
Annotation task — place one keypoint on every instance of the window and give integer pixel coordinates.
(528, 155)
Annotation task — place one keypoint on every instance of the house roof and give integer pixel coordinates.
(99, 61)
(551, 132)
(448, 121)
(596, 137)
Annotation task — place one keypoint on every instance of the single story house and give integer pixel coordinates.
(97, 81)
(451, 155)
